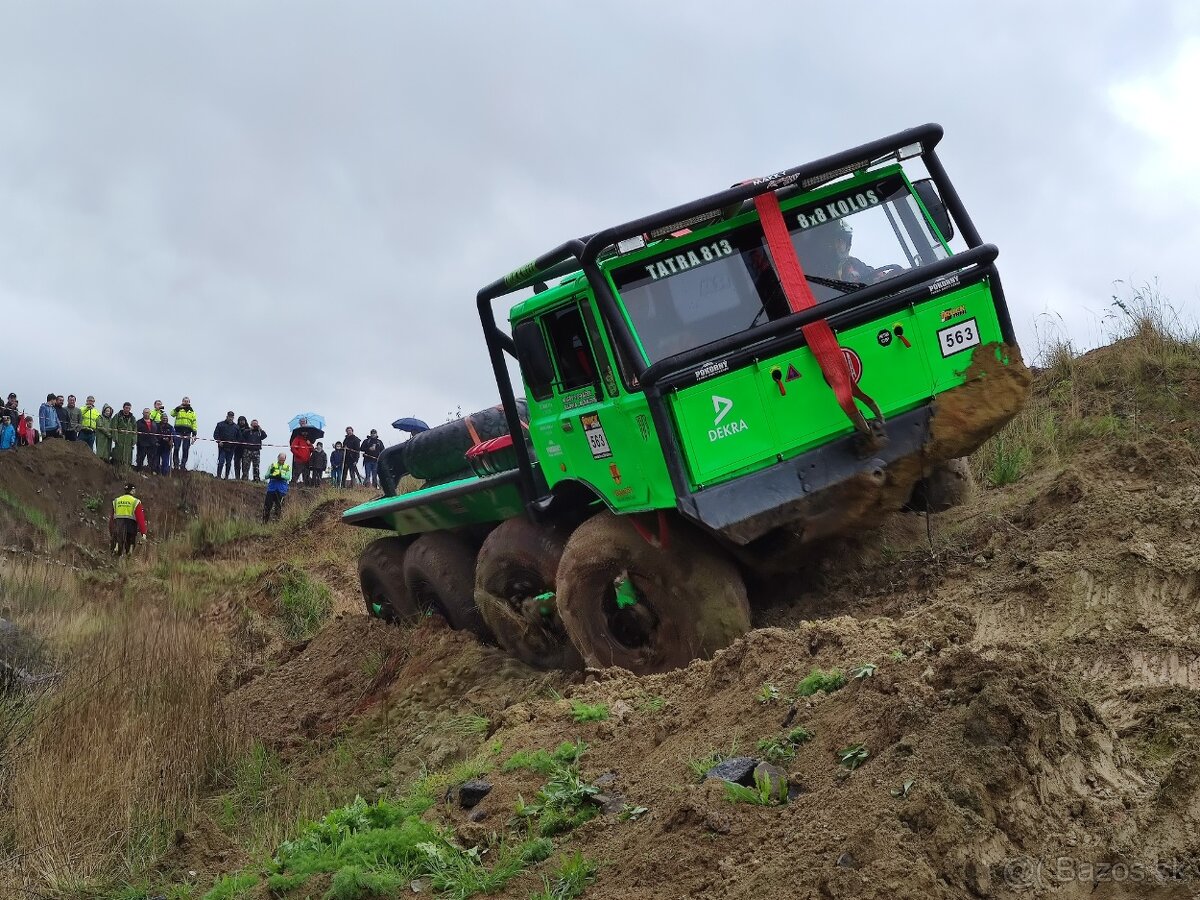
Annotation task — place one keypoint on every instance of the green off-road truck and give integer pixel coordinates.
(709, 390)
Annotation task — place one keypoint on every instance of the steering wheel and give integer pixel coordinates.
(883, 273)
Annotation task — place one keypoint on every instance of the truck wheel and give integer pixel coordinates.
(517, 563)
(949, 484)
(682, 601)
(381, 580)
(439, 572)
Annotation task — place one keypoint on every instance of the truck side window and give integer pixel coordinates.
(534, 359)
(569, 344)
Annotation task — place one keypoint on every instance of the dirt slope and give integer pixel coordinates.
(1038, 655)
(57, 481)
(1038, 658)
(1037, 663)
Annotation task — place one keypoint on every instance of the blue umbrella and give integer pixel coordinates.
(412, 426)
(311, 424)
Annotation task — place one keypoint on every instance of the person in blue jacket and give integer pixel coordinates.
(279, 473)
(8, 434)
(48, 418)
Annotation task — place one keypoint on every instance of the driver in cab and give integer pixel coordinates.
(851, 268)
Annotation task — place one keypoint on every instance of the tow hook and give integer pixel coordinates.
(873, 440)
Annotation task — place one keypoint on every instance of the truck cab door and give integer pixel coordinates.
(583, 431)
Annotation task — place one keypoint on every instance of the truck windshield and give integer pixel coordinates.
(701, 292)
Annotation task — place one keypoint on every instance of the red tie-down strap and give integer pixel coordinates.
(818, 334)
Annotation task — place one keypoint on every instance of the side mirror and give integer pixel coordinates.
(534, 359)
(928, 193)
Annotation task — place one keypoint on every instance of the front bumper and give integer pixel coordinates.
(835, 489)
(820, 490)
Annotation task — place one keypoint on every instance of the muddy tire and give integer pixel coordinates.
(439, 574)
(949, 484)
(691, 600)
(518, 561)
(381, 580)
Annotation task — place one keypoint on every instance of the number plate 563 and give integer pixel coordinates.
(958, 337)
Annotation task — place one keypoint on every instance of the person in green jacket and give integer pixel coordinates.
(104, 434)
(124, 428)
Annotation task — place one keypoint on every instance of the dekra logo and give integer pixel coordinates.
(721, 408)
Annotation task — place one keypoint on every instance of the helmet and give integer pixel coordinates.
(842, 231)
(129, 488)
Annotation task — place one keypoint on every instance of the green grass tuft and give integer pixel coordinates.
(355, 882)
(233, 887)
(34, 517)
(305, 604)
(575, 873)
(817, 680)
(568, 753)
(782, 749)
(562, 804)
(207, 533)
(651, 704)
(588, 712)
(762, 794)
(1009, 462)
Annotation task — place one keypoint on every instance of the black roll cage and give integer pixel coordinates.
(582, 254)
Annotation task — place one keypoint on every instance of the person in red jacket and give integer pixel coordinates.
(125, 521)
(301, 450)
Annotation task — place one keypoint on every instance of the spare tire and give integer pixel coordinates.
(439, 453)
(392, 469)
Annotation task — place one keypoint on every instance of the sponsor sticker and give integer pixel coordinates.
(518, 275)
(854, 361)
(812, 216)
(582, 397)
(722, 407)
(593, 432)
(948, 314)
(643, 424)
(943, 284)
(708, 370)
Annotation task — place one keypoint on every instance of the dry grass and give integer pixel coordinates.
(1105, 394)
(102, 768)
(99, 770)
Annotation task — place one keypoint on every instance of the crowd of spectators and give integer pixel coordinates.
(160, 441)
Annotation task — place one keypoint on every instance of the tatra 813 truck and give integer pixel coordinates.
(707, 394)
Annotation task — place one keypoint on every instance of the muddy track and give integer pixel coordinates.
(1037, 658)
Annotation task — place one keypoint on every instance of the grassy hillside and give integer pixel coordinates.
(961, 703)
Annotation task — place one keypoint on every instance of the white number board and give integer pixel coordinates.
(957, 338)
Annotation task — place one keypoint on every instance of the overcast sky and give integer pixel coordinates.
(276, 207)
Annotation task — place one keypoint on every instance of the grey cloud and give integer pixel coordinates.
(282, 206)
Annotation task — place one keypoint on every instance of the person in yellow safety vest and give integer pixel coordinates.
(88, 420)
(127, 519)
(156, 414)
(185, 433)
(279, 473)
